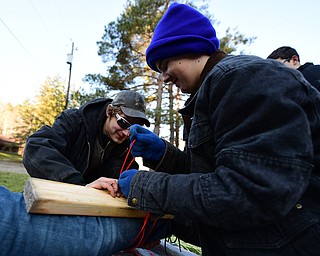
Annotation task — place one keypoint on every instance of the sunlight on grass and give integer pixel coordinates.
(13, 181)
(10, 157)
(189, 247)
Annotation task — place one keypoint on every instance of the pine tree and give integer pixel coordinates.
(122, 49)
(42, 110)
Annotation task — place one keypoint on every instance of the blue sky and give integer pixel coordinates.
(36, 36)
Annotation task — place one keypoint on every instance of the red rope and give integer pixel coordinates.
(125, 160)
(142, 231)
(147, 218)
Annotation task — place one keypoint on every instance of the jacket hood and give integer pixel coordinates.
(92, 113)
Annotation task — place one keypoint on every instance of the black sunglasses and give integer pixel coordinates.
(122, 122)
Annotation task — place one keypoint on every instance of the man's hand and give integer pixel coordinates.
(125, 180)
(147, 145)
(108, 184)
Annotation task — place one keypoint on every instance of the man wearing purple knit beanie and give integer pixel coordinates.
(182, 30)
(248, 182)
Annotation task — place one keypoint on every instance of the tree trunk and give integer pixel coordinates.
(158, 107)
(171, 113)
(177, 119)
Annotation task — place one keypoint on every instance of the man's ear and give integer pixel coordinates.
(109, 110)
(295, 59)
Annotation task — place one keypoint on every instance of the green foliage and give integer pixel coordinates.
(123, 46)
(13, 181)
(47, 104)
(124, 43)
(81, 96)
(189, 247)
(231, 41)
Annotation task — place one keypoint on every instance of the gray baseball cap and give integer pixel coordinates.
(132, 104)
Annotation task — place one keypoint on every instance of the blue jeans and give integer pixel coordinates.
(37, 234)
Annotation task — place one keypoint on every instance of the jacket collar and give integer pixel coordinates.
(93, 114)
(304, 66)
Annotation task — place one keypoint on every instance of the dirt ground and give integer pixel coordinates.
(6, 166)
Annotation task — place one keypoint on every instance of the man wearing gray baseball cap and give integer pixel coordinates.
(87, 143)
(132, 104)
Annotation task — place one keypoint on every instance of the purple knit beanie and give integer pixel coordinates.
(182, 30)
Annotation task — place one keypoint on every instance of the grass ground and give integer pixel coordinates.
(13, 181)
(10, 157)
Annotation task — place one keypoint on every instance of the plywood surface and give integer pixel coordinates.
(52, 197)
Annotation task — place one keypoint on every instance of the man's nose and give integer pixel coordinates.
(126, 132)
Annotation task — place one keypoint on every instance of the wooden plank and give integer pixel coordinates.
(52, 197)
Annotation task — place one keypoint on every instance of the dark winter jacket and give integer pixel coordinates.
(312, 73)
(64, 151)
(253, 155)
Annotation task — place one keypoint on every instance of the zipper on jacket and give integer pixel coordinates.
(103, 152)
(88, 159)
